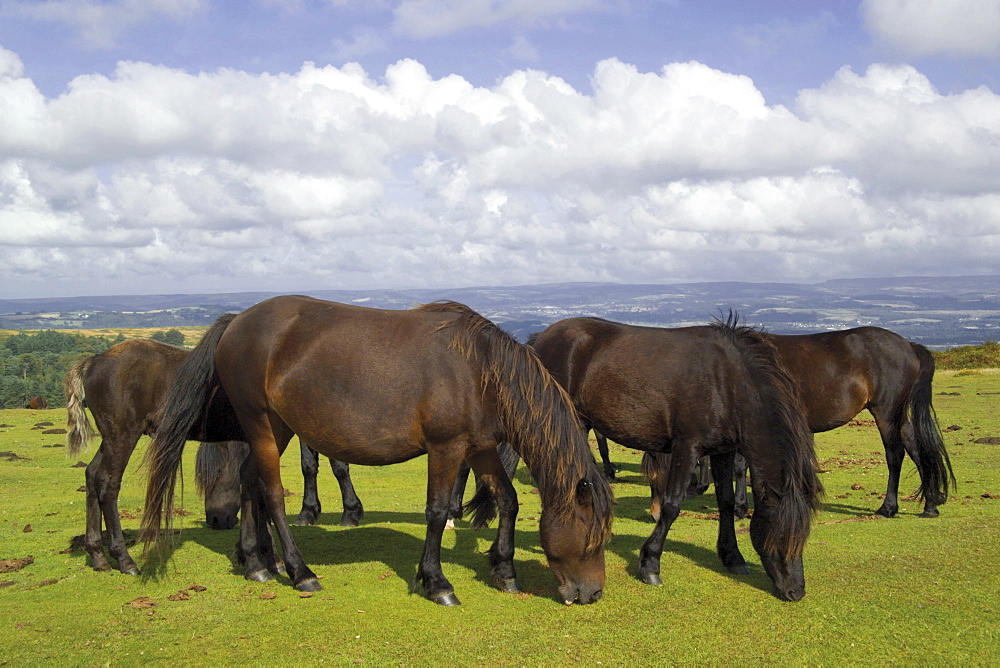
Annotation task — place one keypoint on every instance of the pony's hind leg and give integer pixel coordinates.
(92, 540)
(602, 448)
(490, 471)
(353, 510)
(107, 481)
(682, 464)
(255, 550)
(266, 444)
(311, 506)
(892, 440)
(729, 551)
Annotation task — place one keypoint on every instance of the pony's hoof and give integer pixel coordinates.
(448, 599)
(739, 569)
(348, 522)
(309, 584)
(883, 512)
(651, 578)
(508, 586)
(134, 570)
(930, 513)
(302, 521)
(278, 568)
(263, 575)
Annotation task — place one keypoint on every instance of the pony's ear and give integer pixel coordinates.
(585, 492)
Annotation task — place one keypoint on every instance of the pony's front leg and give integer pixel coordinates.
(742, 507)
(490, 471)
(729, 551)
(442, 470)
(682, 463)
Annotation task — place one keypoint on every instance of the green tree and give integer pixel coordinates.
(172, 336)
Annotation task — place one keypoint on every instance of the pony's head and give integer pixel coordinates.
(217, 476)
(567, 536)
(784, 569)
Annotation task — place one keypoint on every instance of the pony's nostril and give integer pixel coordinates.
(597, 596)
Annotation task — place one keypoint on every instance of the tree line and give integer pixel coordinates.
(36, 364)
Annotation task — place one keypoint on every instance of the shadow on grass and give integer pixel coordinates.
(398, 549)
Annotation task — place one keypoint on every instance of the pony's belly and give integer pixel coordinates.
(370, 453)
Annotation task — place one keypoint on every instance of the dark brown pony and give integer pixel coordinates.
(375, 387)
(38, 403)
(124, 387)
(838, 374)
(695, 391)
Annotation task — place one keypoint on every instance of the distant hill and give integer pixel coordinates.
(936, 311)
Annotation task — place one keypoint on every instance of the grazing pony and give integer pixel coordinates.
(837, 375)
(124, 388)
(375, 387)
(37, 403)
(699, 391)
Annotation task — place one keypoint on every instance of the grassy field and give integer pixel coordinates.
(880, 591)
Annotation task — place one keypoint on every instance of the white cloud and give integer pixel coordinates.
(329, 176)
(922, 27)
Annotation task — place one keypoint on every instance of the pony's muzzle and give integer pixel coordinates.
(221, 520)
(583, 594)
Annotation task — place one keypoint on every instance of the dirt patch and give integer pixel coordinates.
(143, 602)
(45, 424)
(953, 427)
(862, 518)
(949, 394)
(13, 565)
(988, 440)
(79, 465)
(12, 456)
(855, 422)
(54, 431)
(990, 495)
(850, 462)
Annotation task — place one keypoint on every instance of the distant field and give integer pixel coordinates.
(902, 591)
(191, 334)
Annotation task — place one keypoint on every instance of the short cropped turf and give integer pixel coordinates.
(906, 590)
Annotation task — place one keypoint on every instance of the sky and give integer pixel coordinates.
(192, 146)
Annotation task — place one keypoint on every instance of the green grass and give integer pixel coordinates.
(902, 591)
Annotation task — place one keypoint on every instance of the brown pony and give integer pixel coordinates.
(375, 387)
(699, 391)
(837, 375)
(38, 403)
(124, 388)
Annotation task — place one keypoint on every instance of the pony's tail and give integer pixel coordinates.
(80, 430)
(936, 475)
(653, 464)
(800, 493)
(482, 507)
(184, 407)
